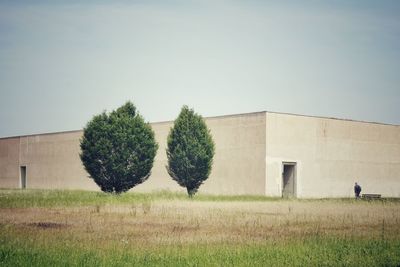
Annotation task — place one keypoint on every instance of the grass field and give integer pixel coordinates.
(63, 228)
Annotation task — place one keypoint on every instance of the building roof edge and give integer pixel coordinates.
(219, 116)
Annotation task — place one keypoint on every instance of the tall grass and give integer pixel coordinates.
(55, 198)
(65, 198)
(81, 228)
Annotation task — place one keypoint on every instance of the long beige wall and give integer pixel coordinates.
(52, 160)
(250, 148)
(332, 154)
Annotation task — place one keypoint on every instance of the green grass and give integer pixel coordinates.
(308, 252)
(66, 198)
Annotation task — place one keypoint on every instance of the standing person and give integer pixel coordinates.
(357, 190)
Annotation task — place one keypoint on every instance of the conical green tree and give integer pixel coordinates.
(190, 151)
(118, 149)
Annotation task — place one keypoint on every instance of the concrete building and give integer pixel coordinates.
(263, 153)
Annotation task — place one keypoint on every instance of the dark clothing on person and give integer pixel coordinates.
(357, 190)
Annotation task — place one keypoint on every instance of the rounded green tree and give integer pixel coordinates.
(190, 150)
(118, 149)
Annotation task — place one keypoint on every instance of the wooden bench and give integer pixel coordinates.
(371, 196)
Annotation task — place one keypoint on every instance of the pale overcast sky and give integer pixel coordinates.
(61, 62)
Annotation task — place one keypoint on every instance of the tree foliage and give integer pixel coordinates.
(190, 150)
(118, 149)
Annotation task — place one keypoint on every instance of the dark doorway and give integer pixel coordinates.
(289, 179)
(23, 177)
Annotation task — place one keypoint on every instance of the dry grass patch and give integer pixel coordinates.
(46, 228)
(186, 222)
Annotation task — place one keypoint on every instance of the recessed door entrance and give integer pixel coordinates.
(23, 177)
(289, 179)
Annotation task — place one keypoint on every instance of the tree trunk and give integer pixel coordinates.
(191, 191)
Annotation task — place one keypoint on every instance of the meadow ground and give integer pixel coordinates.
(64, 228)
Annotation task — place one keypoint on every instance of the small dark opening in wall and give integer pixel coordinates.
(289, 180)
(23, 177)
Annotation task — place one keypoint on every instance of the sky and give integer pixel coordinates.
(62, 62)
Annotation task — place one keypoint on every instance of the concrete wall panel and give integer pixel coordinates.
(9, 163)
(52, 161)
(333, 154)
(239, 161)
